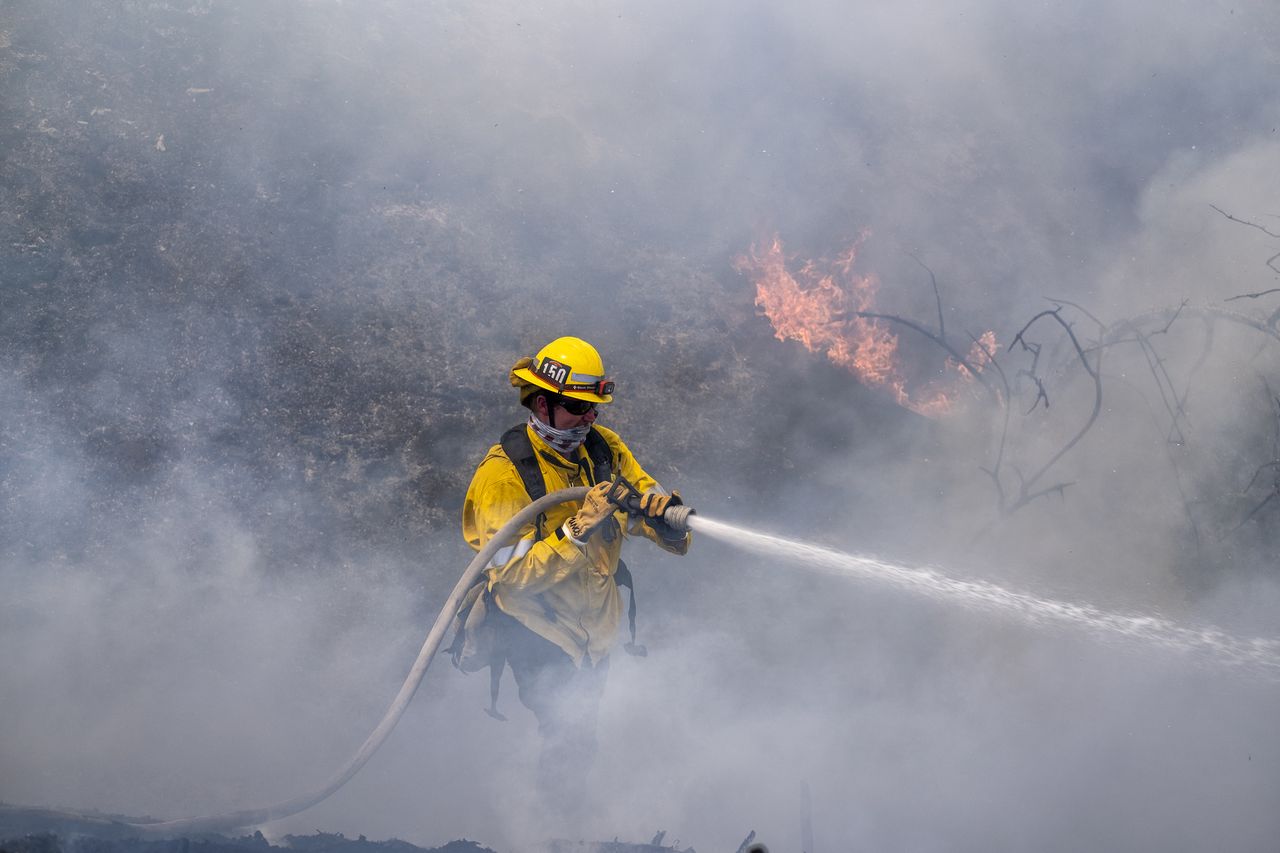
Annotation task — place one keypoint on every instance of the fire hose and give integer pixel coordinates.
(622, 494)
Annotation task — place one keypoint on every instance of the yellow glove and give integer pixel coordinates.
(654, 504)
(596, 509)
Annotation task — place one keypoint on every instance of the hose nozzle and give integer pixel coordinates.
(626, 497)
(677, 517)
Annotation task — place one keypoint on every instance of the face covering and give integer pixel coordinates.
(565, 441)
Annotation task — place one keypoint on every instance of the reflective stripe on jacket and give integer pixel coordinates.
(559, 591)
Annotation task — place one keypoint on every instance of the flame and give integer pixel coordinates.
(981, 354)
(821, 305)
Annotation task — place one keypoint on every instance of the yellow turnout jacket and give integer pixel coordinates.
(553, 587)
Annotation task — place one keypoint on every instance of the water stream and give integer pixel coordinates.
(1259, 655)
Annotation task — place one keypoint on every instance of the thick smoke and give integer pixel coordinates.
(265, 267)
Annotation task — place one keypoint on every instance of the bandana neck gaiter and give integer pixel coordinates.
(565, 441)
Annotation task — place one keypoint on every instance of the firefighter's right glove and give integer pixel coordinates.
(596, 510)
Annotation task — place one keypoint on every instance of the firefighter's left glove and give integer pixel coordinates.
(654, 505)
(596, 510)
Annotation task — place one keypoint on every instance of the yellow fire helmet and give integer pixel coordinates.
(570, 367)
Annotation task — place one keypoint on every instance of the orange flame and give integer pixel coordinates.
(819, 304)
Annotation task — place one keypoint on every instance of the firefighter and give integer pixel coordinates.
(549, 605)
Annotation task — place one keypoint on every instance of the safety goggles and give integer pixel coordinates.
(575, 407)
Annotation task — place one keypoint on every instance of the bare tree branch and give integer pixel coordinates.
(1131, 331)
(1079, 308)
(1257, 509)
(1111, 335)
(991, 359)
(1196, 537)
(994, 471)
(1271, 261)
(1273, 465)
(1060, 488)
(1033, 348)
(1025, 494)
(1257, 295)
(1210, 327)
(1162, 379)
(1245, 222)
(1261, 468)
(942, 342)
(1175, 316)
(1160, 373)
(937, 295)
(1041, 394)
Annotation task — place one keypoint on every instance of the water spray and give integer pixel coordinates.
(1258, 654)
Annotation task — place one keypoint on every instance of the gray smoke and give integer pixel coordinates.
(265, 267)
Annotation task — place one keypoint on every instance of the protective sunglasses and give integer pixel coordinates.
(575, 407)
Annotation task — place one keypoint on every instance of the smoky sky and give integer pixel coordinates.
(265, 266)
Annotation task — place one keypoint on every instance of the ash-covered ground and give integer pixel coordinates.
(264, 268)
(46, 833)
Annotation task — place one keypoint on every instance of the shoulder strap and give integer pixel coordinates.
(601, 456)
(519, 449)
